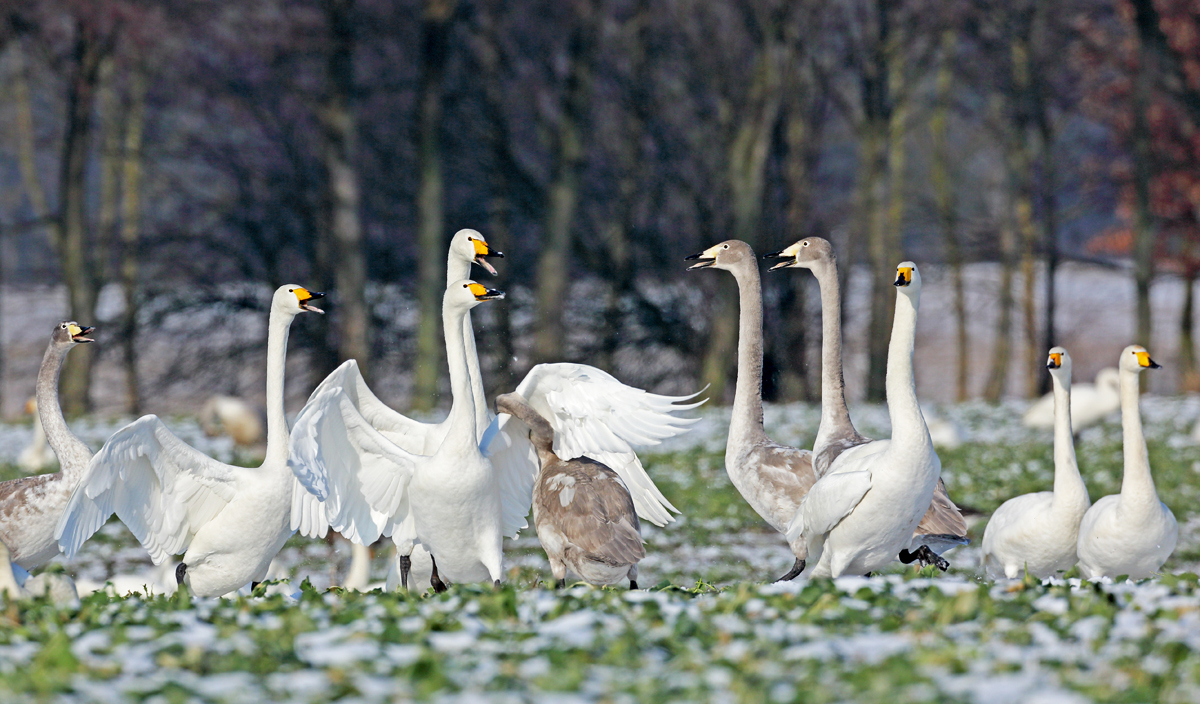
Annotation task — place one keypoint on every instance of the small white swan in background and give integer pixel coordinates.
(58, 588)
(1038, 532)
(230, 520)
(1090, 403)
(30, 507)
(1130, 533)
(862, 513)
(582, 511)
(37, 455)
(229, 415)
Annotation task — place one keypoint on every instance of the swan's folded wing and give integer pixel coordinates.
(339, 456)
(595, 415)
(163, 489)
(830, 500)
(407, 434)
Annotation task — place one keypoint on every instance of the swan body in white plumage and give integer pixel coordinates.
(1037, 533)
(231, 521)
(1090, 403)
(1133, 532)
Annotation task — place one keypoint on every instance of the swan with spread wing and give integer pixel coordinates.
(230, 520)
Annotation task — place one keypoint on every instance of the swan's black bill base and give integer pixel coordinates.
(794, 572)
(926, 556)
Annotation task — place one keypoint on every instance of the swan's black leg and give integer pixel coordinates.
(926, 556)
(794, 572)
(405, 568)
(434, 580)
(496, 585)
(633, 584)
(560, 584)
(253, 586)
(180, 572)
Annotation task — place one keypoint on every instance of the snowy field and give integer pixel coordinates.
(710, 627)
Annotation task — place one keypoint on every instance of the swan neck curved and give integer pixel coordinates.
(835, 416)
(908, 424)
(1068, 484)
(278, 328)
(746, 420)
(73, 455)
(462, 403)
(1137, 484)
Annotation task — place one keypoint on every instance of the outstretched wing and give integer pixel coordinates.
(339, 456)
(163, 489)
(592, 414)
(412, 436)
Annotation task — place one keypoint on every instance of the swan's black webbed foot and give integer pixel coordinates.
(180, 572)
(434, 580)
(253, 587)
(926, 556)
(633, 584)
(405, 568)
(496, 585)
(561, 584)
(794, 572)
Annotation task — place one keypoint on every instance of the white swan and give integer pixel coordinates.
(36, 455)
(31, 506)
(1090, 403)
(230, 520)
(1038, 532)
(229, 415)
(1130, 533)
(863, 512)
(942, 527)
(58, 588)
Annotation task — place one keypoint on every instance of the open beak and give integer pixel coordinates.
(482, 252)
(80, 334)
(788, 260)
(703, 260)
(306, 302)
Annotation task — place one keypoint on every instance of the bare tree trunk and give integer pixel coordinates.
(131, 223)
(1188, 374)
(794, 379)
(109, 104)
(563, 194)
(1002, 350)
(1040, 95)
(1143, 226)
(339, 128)
(431, 281)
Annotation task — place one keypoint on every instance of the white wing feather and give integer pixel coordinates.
(410, 435)
(830, 500)
(163, 489)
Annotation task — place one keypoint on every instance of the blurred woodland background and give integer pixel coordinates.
(164, 164)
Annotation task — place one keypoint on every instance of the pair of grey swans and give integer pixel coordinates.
(775, 479)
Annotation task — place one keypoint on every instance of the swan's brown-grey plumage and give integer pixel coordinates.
(31, 506)
(583, 512)
(943, 525)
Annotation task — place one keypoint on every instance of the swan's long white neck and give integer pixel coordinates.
(835, 417)
(278, 328)
(1068, 485)
(73, 455)
(1137, 486)
(746, 421)
(463, 423)
(457, 270)
(908, 424)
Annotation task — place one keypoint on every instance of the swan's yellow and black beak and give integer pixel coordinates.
(482, 252)
(482, 293)
(704, 259)
(1055, 360)
(903, 276)
(80, 333)
(306, 298)
(788, 254)
(1143, 358)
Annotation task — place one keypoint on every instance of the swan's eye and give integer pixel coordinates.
(725, 247)
(804, 243)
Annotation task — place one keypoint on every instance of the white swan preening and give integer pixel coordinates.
(30, 507)
(583, 513)
(37, 455)
(1130, 533)
(1037, 533)
(230, 520)
(1090, 403)
(861, 513)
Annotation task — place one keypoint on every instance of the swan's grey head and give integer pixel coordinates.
(1059, 362)
(541, 434)
(908, 278)
(470, 246)
(725, 255)
(69, 333)
(294, 299)
(468, 294)
(1135, 358)
(808, 253)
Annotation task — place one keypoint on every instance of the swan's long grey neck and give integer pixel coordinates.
(1068, 485)
(278, 328)
(835, 417)
(73, 455)
(1137, 482)
(901, 390)
(463, 423)
(457, 270)
(746, 422)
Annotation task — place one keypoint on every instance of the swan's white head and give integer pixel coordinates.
(471, 247)
(908, 278)
(1135, 358)
(466, 294)
(726, 255)
(69, 333)
(293, 300)
(808, 253)
(1059, 363)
